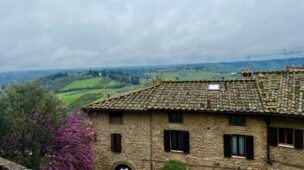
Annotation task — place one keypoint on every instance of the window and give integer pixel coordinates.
(213, 87)
(116, 142)
(238, 145)
(115, 117)
(286, 136)
(176, 140)
(237, 120)
(175, 117)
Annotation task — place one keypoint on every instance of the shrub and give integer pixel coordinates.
(71, 146)
(173, 165)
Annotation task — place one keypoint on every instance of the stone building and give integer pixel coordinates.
(254, 123)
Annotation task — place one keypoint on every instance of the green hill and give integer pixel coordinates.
(86, 83)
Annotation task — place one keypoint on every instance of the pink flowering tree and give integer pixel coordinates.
(70, 147)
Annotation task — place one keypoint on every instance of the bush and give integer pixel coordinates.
(29, 113)
(173, 165)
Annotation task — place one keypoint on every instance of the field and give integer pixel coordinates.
(81, 92)
(83, 83)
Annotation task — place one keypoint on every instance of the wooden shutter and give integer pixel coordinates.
(186, 136)
(227, 145)
(113, 142)
(167, 140)
(298, 139)
(249, 147)
(273, 136)
(116, 142)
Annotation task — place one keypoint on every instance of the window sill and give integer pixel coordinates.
(177, 151)
(238, 157)
(285, 145)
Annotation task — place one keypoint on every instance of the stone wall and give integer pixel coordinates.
(135, 132)
(206, 142)
(284, 157)
(9, 165)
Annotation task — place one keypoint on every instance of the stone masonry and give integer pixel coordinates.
(141, 150)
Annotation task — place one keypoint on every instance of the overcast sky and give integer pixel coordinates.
(45, 34)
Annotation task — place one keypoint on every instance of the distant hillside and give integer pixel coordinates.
(139, 71)
(78, 88)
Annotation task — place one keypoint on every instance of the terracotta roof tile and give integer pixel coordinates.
(237, 95)
(282, 92)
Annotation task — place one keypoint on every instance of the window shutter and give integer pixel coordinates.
(249, 147)
(167, 140)
(273, 136)
(298, 139)
(118, 143)
(227, 145)
(186, 136)
(113, 142)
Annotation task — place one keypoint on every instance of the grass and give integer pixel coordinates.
(69, 97)
(83, 83)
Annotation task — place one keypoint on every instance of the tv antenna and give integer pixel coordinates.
(289, 55)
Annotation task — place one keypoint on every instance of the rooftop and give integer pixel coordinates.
(277, 92)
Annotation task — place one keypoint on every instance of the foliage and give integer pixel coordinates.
(29, 113)
(71, 146)
(173, 165)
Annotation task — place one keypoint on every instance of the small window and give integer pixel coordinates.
(176, 140)
(238, 145)
(116, 142)
(175, 117)
(115, 118)
(214, 87)
(237, 120)
(286, 136)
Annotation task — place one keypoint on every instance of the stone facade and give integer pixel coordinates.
(143, 141)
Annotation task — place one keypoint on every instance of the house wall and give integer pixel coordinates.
(285, 157)
(135, 140)
(206, 142)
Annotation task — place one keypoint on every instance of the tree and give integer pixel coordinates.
(71, 146)
(29, 114)
(173, 165)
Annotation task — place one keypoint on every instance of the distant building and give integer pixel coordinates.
(255, 123)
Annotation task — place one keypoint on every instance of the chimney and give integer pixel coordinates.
(247, 74)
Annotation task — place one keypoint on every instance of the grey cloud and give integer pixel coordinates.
(43, 34)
